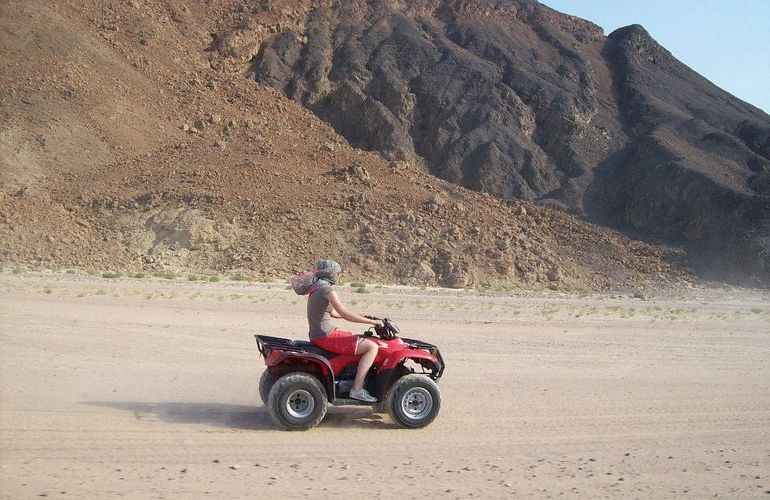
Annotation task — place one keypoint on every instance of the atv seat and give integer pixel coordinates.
(291, 346)
(307, 346)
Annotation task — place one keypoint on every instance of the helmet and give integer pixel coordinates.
(328, 270)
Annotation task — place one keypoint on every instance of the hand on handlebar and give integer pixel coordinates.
(378, 321)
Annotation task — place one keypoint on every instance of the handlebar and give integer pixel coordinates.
(387, 330)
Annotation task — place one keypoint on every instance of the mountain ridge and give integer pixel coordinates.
(516, 99)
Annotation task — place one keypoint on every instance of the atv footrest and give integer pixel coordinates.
(349, 402)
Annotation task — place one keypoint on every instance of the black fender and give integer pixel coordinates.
(286, 361)
(386, 378)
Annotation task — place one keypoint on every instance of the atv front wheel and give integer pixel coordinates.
(297, 402)
(413, 401)
(266, 382)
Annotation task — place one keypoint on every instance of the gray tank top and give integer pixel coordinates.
(319, 313)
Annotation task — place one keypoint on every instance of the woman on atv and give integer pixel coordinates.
(322, 305)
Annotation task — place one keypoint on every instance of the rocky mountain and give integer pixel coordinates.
(512, 98)
(134, 137)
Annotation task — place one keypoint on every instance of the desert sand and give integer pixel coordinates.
(147, 388)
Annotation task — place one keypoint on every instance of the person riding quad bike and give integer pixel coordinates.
(391, 373)
(324, 304)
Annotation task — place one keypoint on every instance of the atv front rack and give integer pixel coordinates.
(419, 344)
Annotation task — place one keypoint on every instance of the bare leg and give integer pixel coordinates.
(369, 350)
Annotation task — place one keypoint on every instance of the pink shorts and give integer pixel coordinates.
(338, 342)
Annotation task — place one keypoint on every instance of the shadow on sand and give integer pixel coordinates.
(238, 416)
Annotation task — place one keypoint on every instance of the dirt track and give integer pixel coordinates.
(147, 389)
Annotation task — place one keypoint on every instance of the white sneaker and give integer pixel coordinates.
(363, 395)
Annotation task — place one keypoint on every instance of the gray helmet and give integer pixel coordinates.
(328, 270)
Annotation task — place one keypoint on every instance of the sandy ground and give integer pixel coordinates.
(147, 388)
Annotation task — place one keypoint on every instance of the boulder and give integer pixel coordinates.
(352, 173)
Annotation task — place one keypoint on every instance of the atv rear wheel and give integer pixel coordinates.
(266, 382)
(297, 402)
(413, 401)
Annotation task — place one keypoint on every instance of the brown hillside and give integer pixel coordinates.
(131, 138)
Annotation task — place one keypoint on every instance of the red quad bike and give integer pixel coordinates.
(302, 379)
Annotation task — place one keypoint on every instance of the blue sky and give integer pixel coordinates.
(727, 41)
